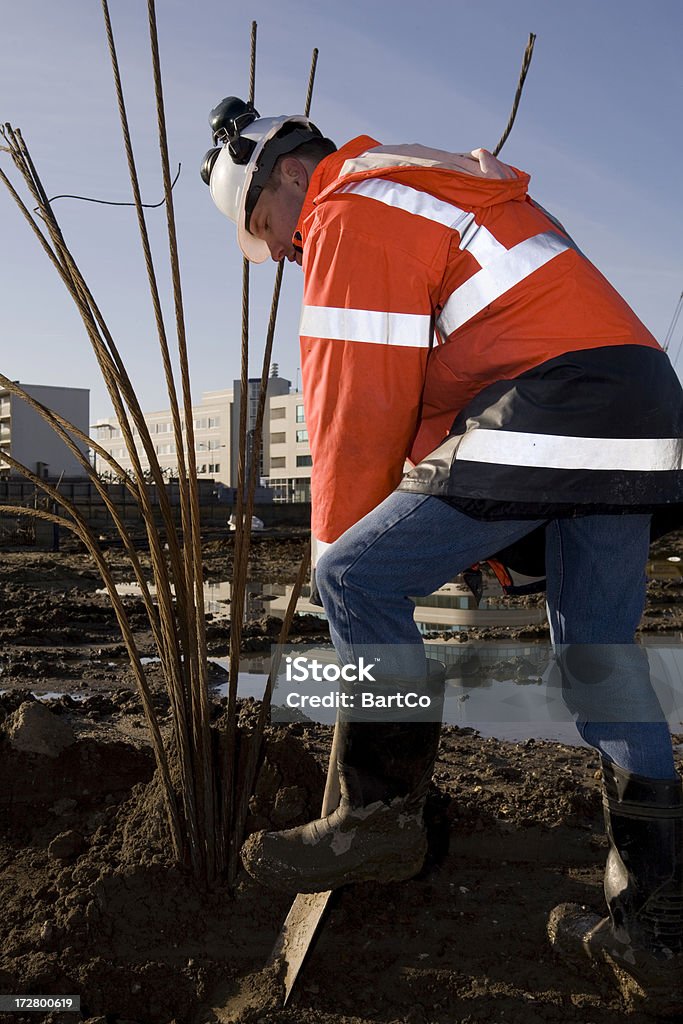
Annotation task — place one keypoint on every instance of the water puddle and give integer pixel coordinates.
(665, 568)
(480, 695)
(452, 608)
(498, 688)
(54, 695)
(504, 689)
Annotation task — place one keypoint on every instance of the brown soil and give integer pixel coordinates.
(93, 905)
(57, 631)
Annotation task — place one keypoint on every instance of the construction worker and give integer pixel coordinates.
(448, 319)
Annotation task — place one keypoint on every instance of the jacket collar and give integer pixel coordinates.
(326, 172)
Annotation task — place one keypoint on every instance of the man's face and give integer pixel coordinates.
(276, 213)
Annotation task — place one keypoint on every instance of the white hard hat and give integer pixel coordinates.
(237, 171)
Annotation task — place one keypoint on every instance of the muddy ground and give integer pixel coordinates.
(92, 904)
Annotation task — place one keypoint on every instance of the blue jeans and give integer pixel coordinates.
(595, 565)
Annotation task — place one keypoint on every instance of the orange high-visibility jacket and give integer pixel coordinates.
(429, 278)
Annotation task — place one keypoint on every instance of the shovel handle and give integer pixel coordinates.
(332, 793)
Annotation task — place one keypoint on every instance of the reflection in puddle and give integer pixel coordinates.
(54, 695)
(665, 568)
(452, 608)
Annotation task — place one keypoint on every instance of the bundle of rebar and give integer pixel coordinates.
(206, 798)
(206, 784)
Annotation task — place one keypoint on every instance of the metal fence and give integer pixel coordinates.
(215, 509)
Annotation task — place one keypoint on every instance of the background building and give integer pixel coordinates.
(277, 387)
(26, 436)
(212, 438)
(284, 459)
(289, 463)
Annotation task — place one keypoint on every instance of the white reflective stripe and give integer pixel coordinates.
(475, 238)
(501, 268)
(405, 197)
(552, 451)
(412, 330)
(502, 273)
(480, 243)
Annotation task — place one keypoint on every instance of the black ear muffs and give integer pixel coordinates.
(207, 164)
(227, 120)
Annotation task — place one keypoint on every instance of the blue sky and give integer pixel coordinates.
(598, 129)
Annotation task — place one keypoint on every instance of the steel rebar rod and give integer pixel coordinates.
(526, 62)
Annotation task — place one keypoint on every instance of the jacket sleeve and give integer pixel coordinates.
(365, 337)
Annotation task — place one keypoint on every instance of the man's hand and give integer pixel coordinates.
(491, 166)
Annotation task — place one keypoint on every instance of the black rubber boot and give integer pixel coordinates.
(643, 935)
(377, 832)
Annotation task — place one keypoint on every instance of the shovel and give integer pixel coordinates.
(305, 917)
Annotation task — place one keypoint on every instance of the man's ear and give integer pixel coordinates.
(293, 173)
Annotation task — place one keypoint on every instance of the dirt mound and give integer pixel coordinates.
(94, 905)
(93, 902)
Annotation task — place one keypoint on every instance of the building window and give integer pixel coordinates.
(279, 463)
(304, 460)
(214, 421)
(278, 438)
(200, 424)
(214, 467)
(213, 445)
(278, 413)
(279, 487)
(301, 436)
(300, 418)
(300, 489)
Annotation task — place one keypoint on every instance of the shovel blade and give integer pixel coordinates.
(306, 914)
